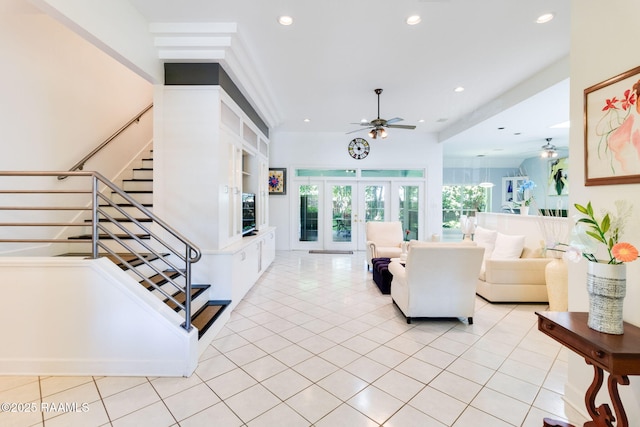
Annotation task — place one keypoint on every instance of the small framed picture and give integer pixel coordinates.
(277, 181)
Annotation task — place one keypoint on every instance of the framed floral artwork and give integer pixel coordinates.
(558, 177)
(277, 181)
(612, 130)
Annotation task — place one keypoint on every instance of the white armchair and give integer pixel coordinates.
(438, 280)
(384, 239)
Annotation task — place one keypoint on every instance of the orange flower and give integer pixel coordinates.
(624, 252)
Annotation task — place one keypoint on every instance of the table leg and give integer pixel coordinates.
(602, 415)
(613, 382)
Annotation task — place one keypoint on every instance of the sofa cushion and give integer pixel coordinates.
(508, 247)
(485, 238)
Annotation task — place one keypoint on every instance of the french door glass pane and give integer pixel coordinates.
(341, 226)
(409, 204)
(308, 213)
(374, 202)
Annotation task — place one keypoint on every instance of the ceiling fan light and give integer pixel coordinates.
(414, 20)
(383, 133)
(285, 20)
(544, 18)
(372, 133)
(549, 150)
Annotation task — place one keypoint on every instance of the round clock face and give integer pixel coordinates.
(358, 148)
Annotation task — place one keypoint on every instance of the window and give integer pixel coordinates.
(460, 200)
(409, 197)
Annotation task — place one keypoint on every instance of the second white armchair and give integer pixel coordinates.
(384, 239)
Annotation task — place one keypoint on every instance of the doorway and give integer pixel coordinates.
(331, 214)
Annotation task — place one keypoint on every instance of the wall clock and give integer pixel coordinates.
(358, 148)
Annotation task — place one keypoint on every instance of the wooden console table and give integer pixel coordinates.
(619, 355)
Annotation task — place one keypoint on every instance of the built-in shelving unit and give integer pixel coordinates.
(212, 147)
(511, 194)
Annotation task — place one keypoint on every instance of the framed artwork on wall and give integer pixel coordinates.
(277, 181)
(612, 130)
(558, 180)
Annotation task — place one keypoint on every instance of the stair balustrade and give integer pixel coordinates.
(50, 212)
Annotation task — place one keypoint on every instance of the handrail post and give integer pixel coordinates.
(94, 217)
(187, 278)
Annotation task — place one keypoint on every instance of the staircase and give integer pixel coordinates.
(148, 269)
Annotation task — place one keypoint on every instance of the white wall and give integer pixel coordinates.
(115, 26)
(87, 317)
(61, 97)
(604, 38)
(402, 149)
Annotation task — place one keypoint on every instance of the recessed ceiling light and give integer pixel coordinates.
(459, 89)
(306, 120)
(421, 121)
(285, 20)
(563, 125)
(442, 120)
(414, 20)
(544, 18)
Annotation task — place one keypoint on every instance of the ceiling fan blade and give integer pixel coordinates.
(394, 120)
(358, 130)
(401, 126)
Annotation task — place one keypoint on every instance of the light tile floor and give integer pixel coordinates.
(315, 343)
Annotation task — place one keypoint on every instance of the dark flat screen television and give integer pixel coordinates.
(248, 214)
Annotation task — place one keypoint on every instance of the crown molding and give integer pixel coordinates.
(221, 43)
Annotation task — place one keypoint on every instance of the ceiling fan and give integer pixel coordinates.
(378, 125)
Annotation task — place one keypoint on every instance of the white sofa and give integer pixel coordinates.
(384, 239)
(439, 280)
(510, 272)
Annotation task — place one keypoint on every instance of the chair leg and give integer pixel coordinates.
(470, 319)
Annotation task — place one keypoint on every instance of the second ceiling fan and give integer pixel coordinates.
(377, 126)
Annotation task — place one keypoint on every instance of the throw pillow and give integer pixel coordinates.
(508, 247)
(485, 238)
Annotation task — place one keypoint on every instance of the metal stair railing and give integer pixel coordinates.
(85, 159)
(42, 200)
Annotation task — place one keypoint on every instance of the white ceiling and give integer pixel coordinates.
(326, 65)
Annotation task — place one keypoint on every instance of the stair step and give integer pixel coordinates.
(133, 260)
(196, 290)
(142, 197)
(143, 173)
(121, 220)
(204, 318)
(107, 237)
(132, 227)
(127, 207)
(130, 185)
(159, 280)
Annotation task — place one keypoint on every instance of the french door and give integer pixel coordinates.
(326, 215)
(331, 214)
